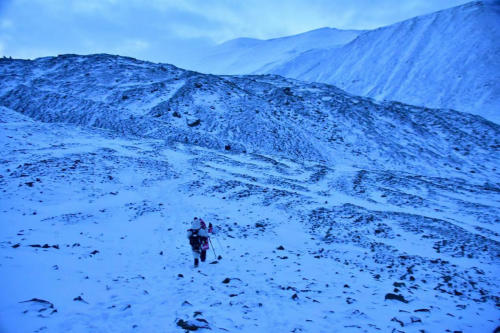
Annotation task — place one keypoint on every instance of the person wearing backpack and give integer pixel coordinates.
(206, 245)
(197, 237)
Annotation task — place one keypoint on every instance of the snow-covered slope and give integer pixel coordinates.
(448, 59)
(335, 213)
(248, 55)
(93, 239)
(264, 114)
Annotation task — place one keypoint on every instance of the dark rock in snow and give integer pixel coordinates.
(398, 321)
(37, 300)
(79, 298)
(195, 123)
(396, 297)
(189, 327)
(280, 248)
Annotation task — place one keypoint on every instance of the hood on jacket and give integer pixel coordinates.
(195, 224)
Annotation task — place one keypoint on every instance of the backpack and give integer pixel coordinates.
(195, 240)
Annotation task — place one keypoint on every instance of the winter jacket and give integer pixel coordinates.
(195, 225)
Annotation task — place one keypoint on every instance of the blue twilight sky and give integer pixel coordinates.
(171, 30)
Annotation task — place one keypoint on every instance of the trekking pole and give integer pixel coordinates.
(212, 246)
(218, 241)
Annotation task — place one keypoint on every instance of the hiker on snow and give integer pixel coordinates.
(205, 246)
(197, 237)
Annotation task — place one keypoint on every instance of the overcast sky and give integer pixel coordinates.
(170, 30)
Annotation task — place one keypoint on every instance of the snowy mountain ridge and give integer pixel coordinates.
(249, 55)
(263, 114)
(334, 213)
(448, 59)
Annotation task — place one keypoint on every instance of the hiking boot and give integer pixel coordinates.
(196, 262)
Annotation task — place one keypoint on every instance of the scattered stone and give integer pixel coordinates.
(295, 297)
(16, 246)
(399, 284)
(79, 298)
(280, 248)
(186, 303)
(423, 310)
(195, 123)
(398, 321)
(180, 276)
(415, 319)
(396, 297)
(94, 252)
(37, 300)
(226, 280)
(184, 325)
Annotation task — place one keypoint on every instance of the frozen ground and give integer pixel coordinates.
(114, 209)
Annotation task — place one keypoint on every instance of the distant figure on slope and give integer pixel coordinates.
(205, 245)
(197, 237)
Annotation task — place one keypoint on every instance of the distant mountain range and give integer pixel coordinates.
(250, 56)
(448, 59)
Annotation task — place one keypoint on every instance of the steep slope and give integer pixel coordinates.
(262, 114)
(93, 239)
(247, 55)
(448, 59)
